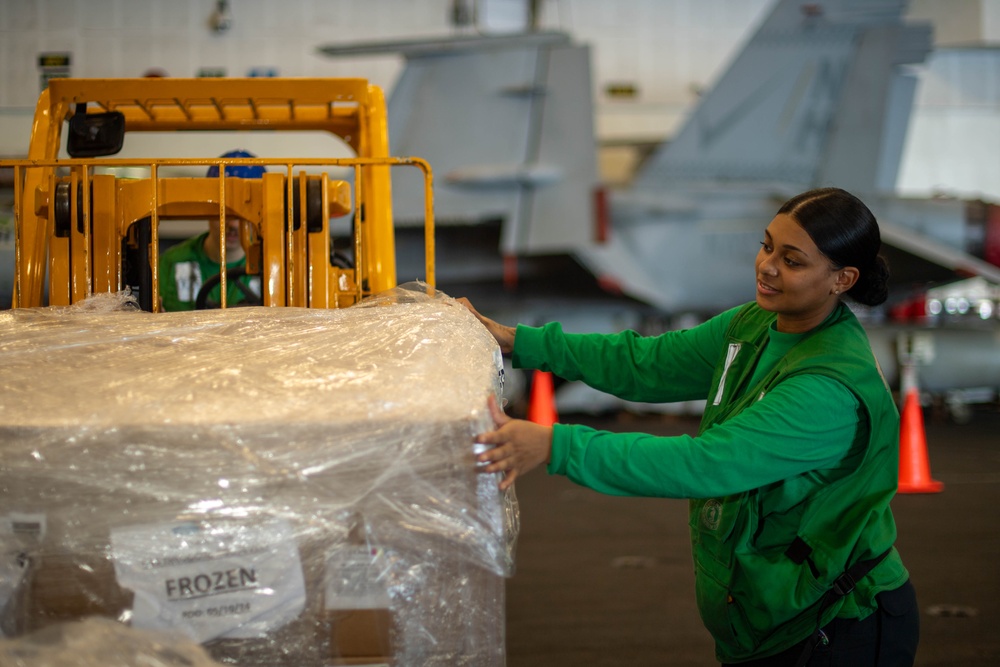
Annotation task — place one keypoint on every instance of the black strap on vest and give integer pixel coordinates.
(842, 585)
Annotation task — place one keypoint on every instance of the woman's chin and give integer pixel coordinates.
(766, 301)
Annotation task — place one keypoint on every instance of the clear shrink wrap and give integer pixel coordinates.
(100, 642)
(284, 486)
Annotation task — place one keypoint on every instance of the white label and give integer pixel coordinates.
(211, 579)
(356, 578)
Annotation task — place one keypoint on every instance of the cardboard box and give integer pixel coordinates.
(361, 636)
(65, 587)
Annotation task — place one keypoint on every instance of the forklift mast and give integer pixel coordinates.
(87, 224)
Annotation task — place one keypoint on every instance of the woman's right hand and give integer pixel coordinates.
(518, 446)
(503, 334)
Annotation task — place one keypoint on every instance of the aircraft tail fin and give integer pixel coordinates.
(795, 106)
(507, 124)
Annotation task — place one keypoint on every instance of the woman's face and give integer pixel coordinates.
(794, 279)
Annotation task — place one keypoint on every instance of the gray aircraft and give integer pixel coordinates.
(820, 94)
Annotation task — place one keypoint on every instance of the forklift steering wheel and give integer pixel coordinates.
(232, 276)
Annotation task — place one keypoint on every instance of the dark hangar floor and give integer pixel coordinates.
(608, 581)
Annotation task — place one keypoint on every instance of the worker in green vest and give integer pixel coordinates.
(188, 266)
(796, 459)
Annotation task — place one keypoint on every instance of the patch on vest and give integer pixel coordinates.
(711, 514)
(187, 276)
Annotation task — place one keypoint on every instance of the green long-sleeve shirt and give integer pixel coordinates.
(759, 446)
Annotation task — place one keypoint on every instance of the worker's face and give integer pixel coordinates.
(794, 279)
(232, 233)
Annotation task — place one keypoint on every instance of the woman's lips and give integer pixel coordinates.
(764, 288)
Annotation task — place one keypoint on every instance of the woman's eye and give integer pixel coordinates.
(791, 262)
(767, 248)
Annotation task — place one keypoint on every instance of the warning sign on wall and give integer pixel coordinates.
(52, 66)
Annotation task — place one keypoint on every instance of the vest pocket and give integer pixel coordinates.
(716, 526)
(721, 613)
(712, 522)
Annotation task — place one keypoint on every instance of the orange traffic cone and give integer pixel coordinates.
(914, 469)
(542, 408)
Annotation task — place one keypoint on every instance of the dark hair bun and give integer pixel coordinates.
(872, 288)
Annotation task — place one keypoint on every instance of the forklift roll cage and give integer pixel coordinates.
(88, 232)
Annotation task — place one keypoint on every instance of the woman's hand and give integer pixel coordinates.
(518, 446)
(504, 335)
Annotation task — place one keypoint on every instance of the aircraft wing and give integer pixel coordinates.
(934, 251)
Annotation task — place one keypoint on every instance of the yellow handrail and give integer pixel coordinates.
(378, 237)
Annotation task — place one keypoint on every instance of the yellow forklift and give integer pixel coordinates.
(91, 223)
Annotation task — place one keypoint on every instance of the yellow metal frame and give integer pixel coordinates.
(294, 264)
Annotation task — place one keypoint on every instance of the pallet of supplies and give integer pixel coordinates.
(283, 486)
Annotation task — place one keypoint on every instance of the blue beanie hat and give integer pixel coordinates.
(240, 171)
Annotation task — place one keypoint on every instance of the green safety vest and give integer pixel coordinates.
(756, 598)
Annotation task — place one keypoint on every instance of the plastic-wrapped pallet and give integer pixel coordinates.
(284, 486)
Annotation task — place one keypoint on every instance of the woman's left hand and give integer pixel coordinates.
(519, 446)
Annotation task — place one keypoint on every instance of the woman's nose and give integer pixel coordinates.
(767, 267)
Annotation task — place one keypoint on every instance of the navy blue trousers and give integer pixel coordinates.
(887, 638)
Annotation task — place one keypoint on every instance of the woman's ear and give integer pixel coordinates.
(846, 277)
